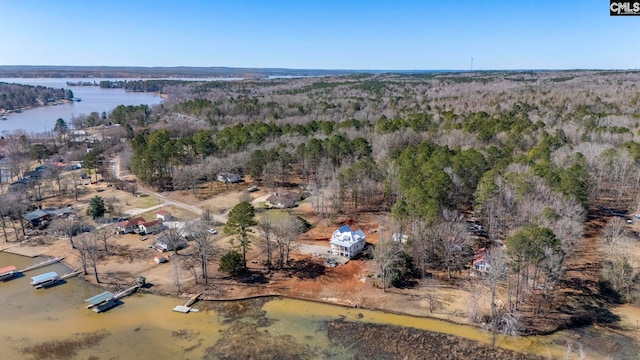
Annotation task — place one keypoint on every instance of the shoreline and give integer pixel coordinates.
(255, 292)
(4, 112)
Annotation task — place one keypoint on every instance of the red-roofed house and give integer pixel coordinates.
(481, 260)
(129, 226)
(150, 227)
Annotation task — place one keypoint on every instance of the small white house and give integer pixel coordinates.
(164, 215)
(347, 243)
(399, 237)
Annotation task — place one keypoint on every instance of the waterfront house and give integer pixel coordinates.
(346, 242)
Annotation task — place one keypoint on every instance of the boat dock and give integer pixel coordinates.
(107, 300)
(186, 307)
(44, 280)
(99, 299)
(8, 272)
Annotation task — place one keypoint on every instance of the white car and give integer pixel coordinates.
(212, 231)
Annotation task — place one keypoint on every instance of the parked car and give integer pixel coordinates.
(212, 231)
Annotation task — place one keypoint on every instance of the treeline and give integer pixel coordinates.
(16, 96)
(140, 85)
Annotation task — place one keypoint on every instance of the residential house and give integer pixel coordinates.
(37, 217)
(129, 226)
(282, 200)
(165, 243)
(180, 226)
(229, 178)
(482, 261)
(347, 243)
(61, 213)
(399, 237)
(164, 215)
(150, 227)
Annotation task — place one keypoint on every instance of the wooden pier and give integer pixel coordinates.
(70, 275)
(42, 264)
(126, 292)
(192, 300)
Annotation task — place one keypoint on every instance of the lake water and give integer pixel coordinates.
(42, 119)
(144, 327)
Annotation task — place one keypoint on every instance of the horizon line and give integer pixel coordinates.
(318, 69)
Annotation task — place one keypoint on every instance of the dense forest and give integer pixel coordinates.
(510, 160)
(158, 72)
(518, 162)
(16, 96)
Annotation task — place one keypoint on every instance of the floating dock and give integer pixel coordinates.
(113, 302)
(44, 280)
(184, 309)
(107, 300)
(99, 299)
(8, 272)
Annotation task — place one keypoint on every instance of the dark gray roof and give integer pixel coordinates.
(35, 215)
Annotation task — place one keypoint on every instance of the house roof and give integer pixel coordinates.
(61, 211)
(132, 222)
(343, 236)
(35, 215)
(480, 255)
(163, 213)
(151, 223)
(287, 199)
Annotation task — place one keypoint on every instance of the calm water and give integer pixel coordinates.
(145, 327)
(44, 118)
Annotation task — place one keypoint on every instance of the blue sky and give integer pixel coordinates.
(320, 34)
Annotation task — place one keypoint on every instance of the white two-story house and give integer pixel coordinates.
(347, 243)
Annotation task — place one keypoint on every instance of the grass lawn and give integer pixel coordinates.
(144, 201)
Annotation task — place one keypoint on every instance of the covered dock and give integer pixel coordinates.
(8, 272)
(99, 299)
(45, 279)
